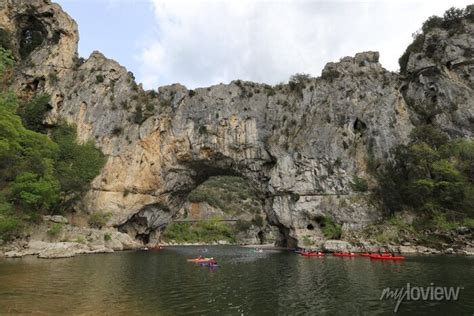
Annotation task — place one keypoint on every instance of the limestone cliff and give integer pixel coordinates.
(300, 144)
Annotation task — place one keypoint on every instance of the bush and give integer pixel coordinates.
(429, 135)
(258, 220)
(6, 62)
(9, 227)
(138, 117)
(242, 225)
(469, 222)
(297, 82)
(430, 174)
(55, 230)
(107, 237)
(36, 192)
(33, 113)
(77, 164)
(440, 221)
(99, 219)
(359, 184)
(415, 47)
(5, 39)
(99, 79)
(432, 22)
(231, 194)
(53, 78)
(330, 229)
(205, 231)
(451, 21)
(80, 240)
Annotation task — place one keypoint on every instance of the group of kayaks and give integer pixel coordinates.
(375, 256)
(205, 262)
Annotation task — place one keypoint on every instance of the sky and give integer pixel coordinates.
(200, 43)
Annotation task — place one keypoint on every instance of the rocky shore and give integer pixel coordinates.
(48, 242)
(56, 238)
(405, 248)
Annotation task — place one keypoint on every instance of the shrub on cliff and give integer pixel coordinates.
(207, 231)
(6, 63)
(33, 113)
(77, 164)
(231, 194)
(451, 21)
(55, 230)
(99, 219)
(330, 229)
(431, 174)
(5, 39)
(9, 224)
(359, 184)
(298, 81)
(37, 175)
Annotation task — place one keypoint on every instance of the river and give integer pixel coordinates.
(246, 283)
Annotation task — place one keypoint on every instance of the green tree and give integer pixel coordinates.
(6, 61)
(22, 150)
(33, 113)
(429, 135)
(36, 192)
(431, 174)
(77, 164)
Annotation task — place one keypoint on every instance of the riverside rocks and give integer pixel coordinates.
(73, 241)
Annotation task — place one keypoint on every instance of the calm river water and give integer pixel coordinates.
(247, 283)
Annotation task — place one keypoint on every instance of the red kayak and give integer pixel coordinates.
(365, 254)
(312, 254)
(386, 257)
(344, 254)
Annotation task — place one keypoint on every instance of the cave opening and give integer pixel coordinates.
(31, 35)
(310, 227)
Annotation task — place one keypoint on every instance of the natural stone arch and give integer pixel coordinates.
(148, 222)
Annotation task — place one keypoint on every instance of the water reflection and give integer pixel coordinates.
(163, 283)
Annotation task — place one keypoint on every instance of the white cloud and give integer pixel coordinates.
(200, 43)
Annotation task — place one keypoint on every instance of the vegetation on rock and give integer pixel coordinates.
(329, 228)
(231, 194)
(202, 232)
(38, 174)
(451, 21)
(99, 219)
(432, 176)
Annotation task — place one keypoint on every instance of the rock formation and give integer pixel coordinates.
(300, 144)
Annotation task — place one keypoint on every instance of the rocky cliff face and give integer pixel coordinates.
(301, 144)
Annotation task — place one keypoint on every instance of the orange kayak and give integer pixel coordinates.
(312, 254)
(200, 260)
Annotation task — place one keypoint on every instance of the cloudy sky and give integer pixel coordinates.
(204, 42)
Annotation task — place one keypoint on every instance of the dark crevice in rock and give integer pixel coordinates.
(359, 126)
